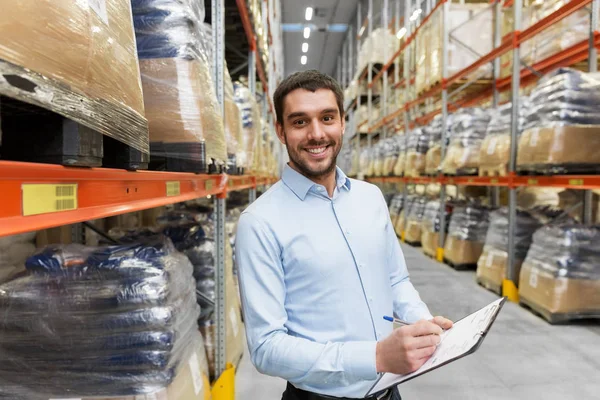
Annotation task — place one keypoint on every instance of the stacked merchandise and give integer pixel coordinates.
(416, 149)
(414, 220)
(562, 126)
(262, 31)
(186, 125)
(351, 92)
(377, 48)
(390, 155)
(362, 117)
(464, 48)
(250, 122)
(64, 59)
(401, 161)
(82, 317)
(433, 158)
(560, 277)
(377, 155)
(462, 155)
(404, 212)
(572, 200)
(466, 235)
(430, 228)
(494, 154)
(192, 234)
(396, 207)
(491, 267)
(559, 36)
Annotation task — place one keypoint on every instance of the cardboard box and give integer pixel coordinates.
(413, 232)
(558, 295)
(575, 144)
(459, 157)
(462, 252)
(433, 159)
(429, 242)
(491, 268)
(86, 54)
(494, 153)
(399, 226)
(415, 164)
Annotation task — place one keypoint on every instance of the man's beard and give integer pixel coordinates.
(305, 169)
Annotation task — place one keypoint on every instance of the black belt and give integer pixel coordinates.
(293, 393)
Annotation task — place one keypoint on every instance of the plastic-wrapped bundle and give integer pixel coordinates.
(414, 220)
(433, 158)
(560, 277)
(491, 267)
(430, 227)
(86, 316)
(462, 156)
(404, 212)
(377, 159)
(494, 154)
(250, 120)
(81, 60)
(373, 49)
(186, 126)
(396, 206)
(416, 149)
(466, 235)
(365, 161)
(562, 125)
(390, 155)
(401, 161)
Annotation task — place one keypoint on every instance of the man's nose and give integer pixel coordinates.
(316, 131)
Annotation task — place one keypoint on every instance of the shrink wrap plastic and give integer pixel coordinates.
(82, 317)
(561, 273)
(414, 221)
(462, 155)
(251, 123)
(562, 125)
(466, 234)
(78, 59)
(430, 229)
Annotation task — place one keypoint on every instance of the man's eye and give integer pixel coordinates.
(328, 118)
(299, 122)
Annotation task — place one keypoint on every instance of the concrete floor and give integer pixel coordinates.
(523, 357)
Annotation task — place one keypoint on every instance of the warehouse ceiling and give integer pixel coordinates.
(325, 42)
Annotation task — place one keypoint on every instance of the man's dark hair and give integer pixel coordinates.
(308, 80)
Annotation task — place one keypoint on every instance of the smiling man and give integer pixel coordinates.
(320, 264)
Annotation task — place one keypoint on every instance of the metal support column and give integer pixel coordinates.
(251, 195)
(445, 44)
(350, 56)
(593, 67)
(370, 76)
(252, 72)
(357, 122)
(397, 64)
(338, 70)
(407, 98)
(384, 96)
(495, 191)
(509, 287)
(218, 23)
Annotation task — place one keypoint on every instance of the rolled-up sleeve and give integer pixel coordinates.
(273, 351)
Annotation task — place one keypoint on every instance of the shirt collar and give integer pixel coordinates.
(300, 185)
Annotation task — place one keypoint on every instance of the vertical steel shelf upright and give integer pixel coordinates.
(218, 21)
(357, 123)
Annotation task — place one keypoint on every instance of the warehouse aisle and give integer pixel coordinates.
(523, 357)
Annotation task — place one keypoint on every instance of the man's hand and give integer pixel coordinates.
(407, 348)
(443, 323)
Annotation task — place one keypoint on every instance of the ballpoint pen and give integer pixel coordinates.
(396, 320)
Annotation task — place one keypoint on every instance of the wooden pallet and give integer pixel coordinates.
(558, 169)
(556, 318)
(497, 171)
(464, 172)
(413, 244)
(460, 267)
(475, 87)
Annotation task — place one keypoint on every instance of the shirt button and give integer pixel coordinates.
(320, 188)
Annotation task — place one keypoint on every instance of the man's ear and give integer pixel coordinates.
(280, 133)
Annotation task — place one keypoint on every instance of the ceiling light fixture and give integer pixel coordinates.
(306, 32)
(303, 60)
(309, 13)
(400, 34)
(304, 47)
(416, 14)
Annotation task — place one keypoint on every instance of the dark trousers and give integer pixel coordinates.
(292, 393)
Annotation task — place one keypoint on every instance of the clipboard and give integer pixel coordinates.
(465, 337)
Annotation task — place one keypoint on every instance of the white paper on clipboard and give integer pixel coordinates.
(457, 342)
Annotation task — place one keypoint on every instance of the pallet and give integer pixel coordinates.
(34, 134)
(556, 318)
(476, 86)
(460, 267)
(492, 172)
(178, 157)
(558, 169)
(413, 244)
(497, 289)
(464, 172)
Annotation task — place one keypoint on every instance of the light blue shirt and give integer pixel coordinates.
(317, 275)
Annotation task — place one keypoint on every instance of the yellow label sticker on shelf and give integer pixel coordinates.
(173, 188)
(494, 181)
(48, 198)
(532, 181)
(230, 182)
(209, 184)
(576, 182)
(450, 181)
